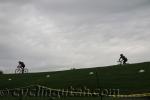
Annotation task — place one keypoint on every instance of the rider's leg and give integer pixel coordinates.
(124, 62)
(22, 70)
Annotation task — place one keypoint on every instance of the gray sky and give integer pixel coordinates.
(53, 35)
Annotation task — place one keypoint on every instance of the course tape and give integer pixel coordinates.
(132, 95)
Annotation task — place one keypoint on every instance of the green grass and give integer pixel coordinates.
(126, 78)
(71, 98)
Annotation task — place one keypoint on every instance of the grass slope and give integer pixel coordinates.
(126, 78)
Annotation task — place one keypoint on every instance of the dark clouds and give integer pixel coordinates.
(56, 35)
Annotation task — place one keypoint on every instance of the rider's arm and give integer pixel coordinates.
(19, 66)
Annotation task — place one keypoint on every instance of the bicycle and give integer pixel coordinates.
(120, 63)
(20, 70)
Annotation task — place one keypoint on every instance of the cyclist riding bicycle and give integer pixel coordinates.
(21, 65)
(123, 59)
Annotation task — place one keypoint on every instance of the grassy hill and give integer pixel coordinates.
(127, 78)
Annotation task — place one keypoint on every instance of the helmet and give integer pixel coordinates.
(121, 54)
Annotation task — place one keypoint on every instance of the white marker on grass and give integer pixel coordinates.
(47, 76)
(9, 79)
(91, 73)
(141, 71)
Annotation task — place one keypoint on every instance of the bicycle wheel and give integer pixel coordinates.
(25, 70)
(18, 71)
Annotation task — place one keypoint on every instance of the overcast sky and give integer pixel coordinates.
(50, 35)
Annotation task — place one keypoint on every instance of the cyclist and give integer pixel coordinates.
(21, 65)
(123, 59)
